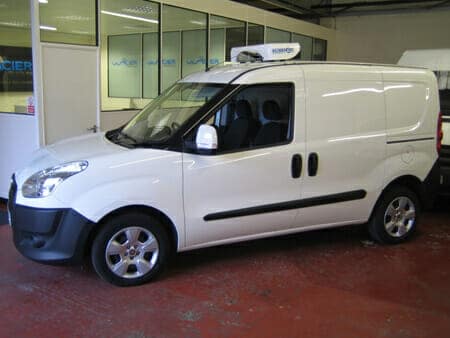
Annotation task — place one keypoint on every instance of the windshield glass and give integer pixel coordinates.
(169, 111)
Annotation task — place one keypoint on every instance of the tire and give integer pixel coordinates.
(130, 249)
(395, 216)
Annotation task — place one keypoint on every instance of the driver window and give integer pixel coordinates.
(257, 116)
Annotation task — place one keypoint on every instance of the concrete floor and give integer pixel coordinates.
(332, 283)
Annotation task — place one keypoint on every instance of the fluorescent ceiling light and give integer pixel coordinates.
(80, 32)
(43, 1)
(48, 28)
(200, 23)
(15, 24)
(129, 17)
(73, 17)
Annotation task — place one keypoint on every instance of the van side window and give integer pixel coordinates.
(445, 101)
(259, 115)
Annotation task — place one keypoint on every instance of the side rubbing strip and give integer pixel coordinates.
(411, 140)
(297, 204)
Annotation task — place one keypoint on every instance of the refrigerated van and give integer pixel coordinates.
(238, 152)
(437, 60)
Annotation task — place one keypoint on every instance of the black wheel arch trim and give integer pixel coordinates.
(145, 209)
(289, 205)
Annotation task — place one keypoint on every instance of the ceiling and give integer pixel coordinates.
(118, 17)
(130, 16)
(313, 10)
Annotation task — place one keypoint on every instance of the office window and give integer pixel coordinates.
(150, 65)
(129, 53)
(255, 34)
(320, 50)
(171, 58)
(186, 29)
(233, 32)
(216, 46)
(16, 65)
(306, 46)
(193, 51)
(68, 21)
(125, 65)
(276, 35)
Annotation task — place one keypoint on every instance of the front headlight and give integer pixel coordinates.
(42, 183)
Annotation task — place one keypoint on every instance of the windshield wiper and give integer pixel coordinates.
(118, 137)
(128, 137)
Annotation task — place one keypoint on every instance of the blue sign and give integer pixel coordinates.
(16, 66)
(286, 50)
(125, 62)
(166, 62)
(202, 60)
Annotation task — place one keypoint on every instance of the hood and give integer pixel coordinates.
(83, 148)
(78, 148)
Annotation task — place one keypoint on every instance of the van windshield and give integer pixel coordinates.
(162, 117)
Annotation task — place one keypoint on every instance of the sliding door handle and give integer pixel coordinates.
(296, 166)
(313, 164)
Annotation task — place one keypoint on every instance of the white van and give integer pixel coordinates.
(437, 60)
(239, 152)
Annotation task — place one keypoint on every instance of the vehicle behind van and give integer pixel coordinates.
(437, 60)
(239, 152)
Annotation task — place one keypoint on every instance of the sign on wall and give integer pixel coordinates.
(16, 69)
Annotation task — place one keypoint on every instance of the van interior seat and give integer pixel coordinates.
(242, 128)
(274, 130)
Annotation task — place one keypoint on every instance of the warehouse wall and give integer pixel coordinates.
(383, 38)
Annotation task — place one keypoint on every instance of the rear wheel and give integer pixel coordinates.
(131, 249)
(395, 216)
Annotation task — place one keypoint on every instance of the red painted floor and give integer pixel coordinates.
(323, 284)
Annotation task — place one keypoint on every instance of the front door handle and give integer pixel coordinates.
(313, 164)
(296, 166)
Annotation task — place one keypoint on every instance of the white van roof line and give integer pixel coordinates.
(279, 64)
(434, 59)
(305, 63)
(233, 71)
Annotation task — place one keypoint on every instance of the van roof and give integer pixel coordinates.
(229, 72)
(434, 59)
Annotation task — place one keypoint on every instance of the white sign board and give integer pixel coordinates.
(267, 52)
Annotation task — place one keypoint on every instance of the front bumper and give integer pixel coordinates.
(48, 235)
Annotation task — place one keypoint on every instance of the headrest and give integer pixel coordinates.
(271, 110)
(243, 109)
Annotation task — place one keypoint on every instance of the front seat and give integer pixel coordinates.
(237, 134)
(273, 131)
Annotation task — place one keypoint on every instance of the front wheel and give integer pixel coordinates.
(130, 249)
(395, 216)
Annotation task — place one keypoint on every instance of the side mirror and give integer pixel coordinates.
(206, 138)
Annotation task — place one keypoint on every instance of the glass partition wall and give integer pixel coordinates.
(129, 33)
(225, 34)
(147, 46)
(255, 34)
(16, 65)
(68, 21)
(184, 37)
